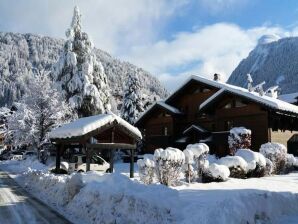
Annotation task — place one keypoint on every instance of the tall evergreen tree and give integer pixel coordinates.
(132, 104)
(79, 74)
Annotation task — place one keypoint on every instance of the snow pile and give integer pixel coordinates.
(168, 165)
(146, 169)
(113, 198)
(216, 173)
(256, 162)
(236, 164)
(277, 153)
(239, 138)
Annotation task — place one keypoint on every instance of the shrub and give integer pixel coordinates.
(199, 153)
(188, 168)
(256, 162)
(236, 164)
(146, 169)
(168, 165)
(215, 173)
(277, 153)
(239, 138)
(290, 163)
(269, 167)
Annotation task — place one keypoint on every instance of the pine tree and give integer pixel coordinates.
(132, 104)
(80, 75)
(41, 109)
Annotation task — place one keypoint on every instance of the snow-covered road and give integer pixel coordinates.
(17, 206)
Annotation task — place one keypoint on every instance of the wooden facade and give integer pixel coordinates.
(213, 120)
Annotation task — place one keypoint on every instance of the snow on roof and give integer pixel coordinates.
(85, 125)
(290, 98)
(168, 107)
(194, 127)
(266, 100)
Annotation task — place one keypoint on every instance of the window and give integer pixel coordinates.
(205, 90)
(165, 131)
(228, 125)
(228, 105)
(240, 103)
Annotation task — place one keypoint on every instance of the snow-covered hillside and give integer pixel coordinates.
(274, 61)
(21, 54)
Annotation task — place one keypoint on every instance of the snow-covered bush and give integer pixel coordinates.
(189, 171)
(168, 165)
(290, 163)
(146, 169)
(277, 153)
(256, 162)
(239, 138)
(269, 167)
(236, 164)
(215, 173)
(199, 152)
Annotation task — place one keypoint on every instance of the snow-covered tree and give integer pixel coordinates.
(239, 138)
(80, 75)
(40, 109)
(132, 104)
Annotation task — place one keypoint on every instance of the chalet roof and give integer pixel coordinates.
(195, 127)
(265, 100)
(161, 104)
(86, 125)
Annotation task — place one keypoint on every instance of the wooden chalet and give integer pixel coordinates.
(204, 110)
(104, 132)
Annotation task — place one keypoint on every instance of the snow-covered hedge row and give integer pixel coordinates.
(277, 153)
(256, 162)
(215, 173)
(146, 169)
(168, 165)
(236, 164)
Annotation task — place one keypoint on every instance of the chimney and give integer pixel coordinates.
(216, 77)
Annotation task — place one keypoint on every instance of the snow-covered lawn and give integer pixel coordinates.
(114, 198)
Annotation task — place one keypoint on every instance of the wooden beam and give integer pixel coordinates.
(111, 146)
(88, 159)
(59, 149)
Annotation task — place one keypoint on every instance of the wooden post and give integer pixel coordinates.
(87, 158)
(58, 159)
(112, 151)
(131, 163)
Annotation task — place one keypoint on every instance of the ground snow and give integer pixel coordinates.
(114, 198)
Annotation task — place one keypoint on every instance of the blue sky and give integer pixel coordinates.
(172, 39)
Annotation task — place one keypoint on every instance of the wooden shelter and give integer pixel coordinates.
(96, 133)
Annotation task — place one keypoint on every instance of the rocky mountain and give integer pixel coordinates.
(274, 61)
(22, 54)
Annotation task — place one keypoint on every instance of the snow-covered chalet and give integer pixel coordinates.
(204, 110)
